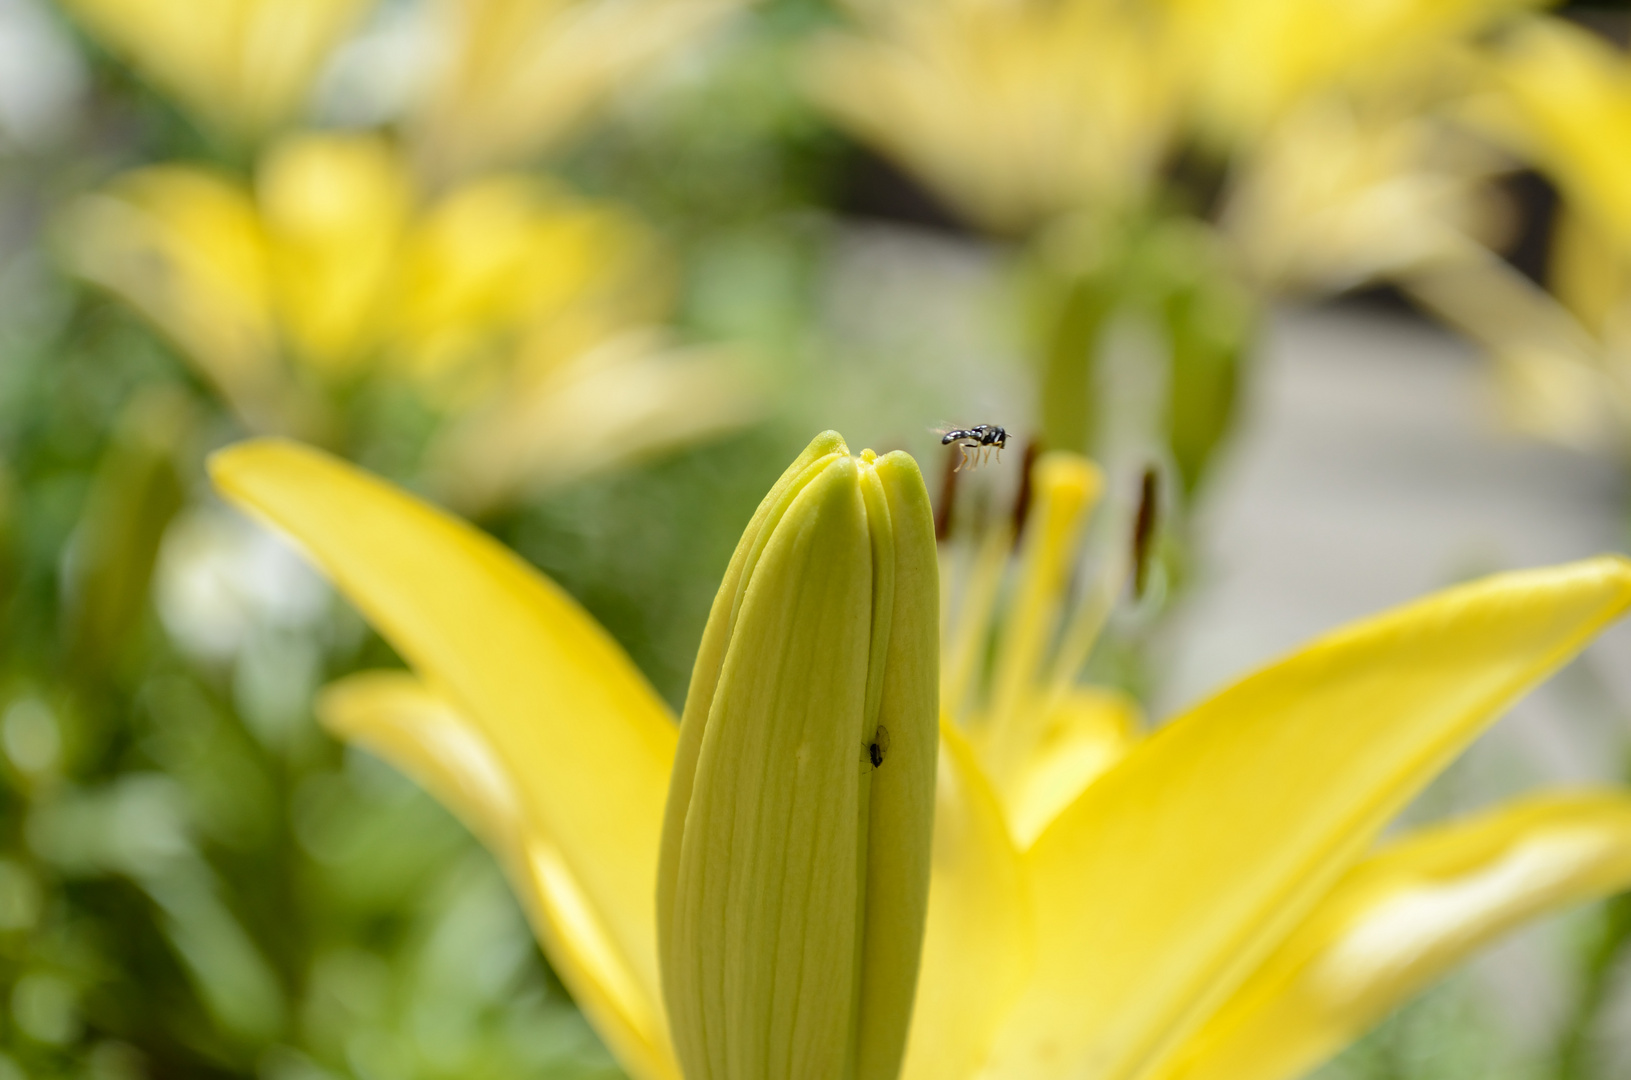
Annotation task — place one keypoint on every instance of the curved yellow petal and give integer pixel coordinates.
(977, 947)
(394, 714)
(586, 739)
(1174, 875)
(1401, 919)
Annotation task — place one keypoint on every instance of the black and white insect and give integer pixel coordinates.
(979, 438)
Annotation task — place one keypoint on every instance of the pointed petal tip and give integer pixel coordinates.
(231, 465)
(1612, 567)
(1607, 576)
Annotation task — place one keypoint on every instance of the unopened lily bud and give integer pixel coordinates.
(795, 859)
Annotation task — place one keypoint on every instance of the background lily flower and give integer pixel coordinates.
(513, 307)
(1248, 63)
(1559, 96)
(1015, 113)
(1212, 901)
(1279, 149)
(243, 67)
(512, 78)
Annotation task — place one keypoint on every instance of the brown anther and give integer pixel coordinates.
(1022, 500)
(948, 498)
(1144, 528)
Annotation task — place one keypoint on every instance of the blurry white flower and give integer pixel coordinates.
(220, 576)
(41, 77)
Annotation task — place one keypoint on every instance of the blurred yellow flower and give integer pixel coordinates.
(1248, 63)
(1332, 197)
(1205, 901)
(1564, 103)
(519, 310)
(1559, 97)
(1019, 111)
(1015, 112)
(510, 78)
(242, 67)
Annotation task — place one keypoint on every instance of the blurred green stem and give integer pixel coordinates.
(137, 490)
(1074, 316)
(1208, 328)
(1576, 1052)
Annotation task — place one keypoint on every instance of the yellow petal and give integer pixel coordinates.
(398, 717)
(1401, 919)
(977, 947)
(587, 740)
(1174, 875)
(419, 731)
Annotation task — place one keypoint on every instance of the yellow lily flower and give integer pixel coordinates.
(1333, 114)
(1016, 113)
(1021, 112)
(1332, 197)
(1564, 102)
(1560, 96)
(515, 307)
(243, 67)
(1250, 62)
(1204, 901)
(514, 77)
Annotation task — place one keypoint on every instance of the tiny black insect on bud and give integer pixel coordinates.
(878, 747)
(1144, 528)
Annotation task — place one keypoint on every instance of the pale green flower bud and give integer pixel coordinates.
(795, 860)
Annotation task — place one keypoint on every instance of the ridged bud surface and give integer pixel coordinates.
(794, 873)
